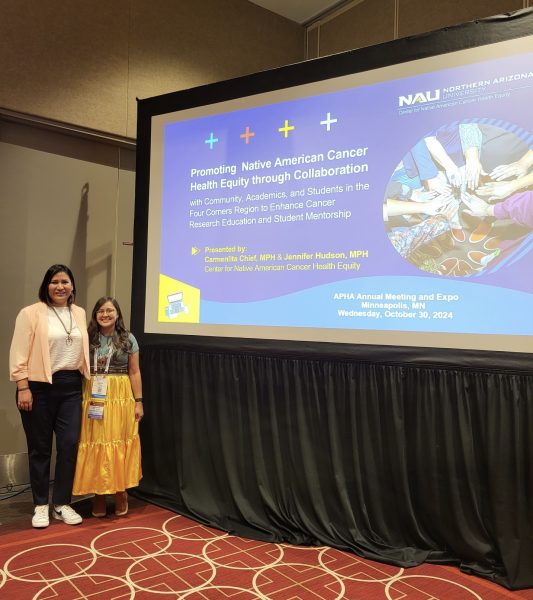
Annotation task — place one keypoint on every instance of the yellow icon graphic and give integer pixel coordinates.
(178, 301)
(195, 251)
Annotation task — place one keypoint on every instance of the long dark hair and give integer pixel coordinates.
(121, 340)
(52, 271)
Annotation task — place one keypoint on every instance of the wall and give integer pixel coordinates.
(360, 23)
(86, 62)
(61, 198)
(67, 193)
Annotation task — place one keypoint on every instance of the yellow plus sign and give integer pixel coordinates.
(286, 128)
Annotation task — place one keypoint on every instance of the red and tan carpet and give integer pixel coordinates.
(155, 554)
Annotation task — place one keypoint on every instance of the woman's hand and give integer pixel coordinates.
(435, 206)
(497, 190)
(139, 411)
(501, 172)
(421, 195)
(439, 186)
(477, 207)
(473, 169)
(25, 400)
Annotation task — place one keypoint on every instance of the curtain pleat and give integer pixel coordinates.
(401, 464)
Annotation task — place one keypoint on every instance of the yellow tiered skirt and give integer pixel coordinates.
(109, 452)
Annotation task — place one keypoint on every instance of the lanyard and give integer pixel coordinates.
(108, 361)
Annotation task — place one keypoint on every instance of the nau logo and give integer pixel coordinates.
(418, 98)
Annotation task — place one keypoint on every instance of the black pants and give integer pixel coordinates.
(56, 409)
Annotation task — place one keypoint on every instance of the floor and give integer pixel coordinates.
(16, 506)
(150, 537)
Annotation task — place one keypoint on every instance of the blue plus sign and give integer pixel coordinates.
(211, 140)
(327, 122)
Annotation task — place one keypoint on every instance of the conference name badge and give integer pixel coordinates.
(96, 410)
(99, 387)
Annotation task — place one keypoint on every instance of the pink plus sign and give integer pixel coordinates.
(247, 134)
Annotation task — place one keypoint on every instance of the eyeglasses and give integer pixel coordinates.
(105, 311)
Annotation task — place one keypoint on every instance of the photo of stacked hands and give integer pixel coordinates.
(461, 199)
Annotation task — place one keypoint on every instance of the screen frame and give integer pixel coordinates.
(461, 37)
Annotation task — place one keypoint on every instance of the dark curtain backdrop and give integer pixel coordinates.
(395, 463)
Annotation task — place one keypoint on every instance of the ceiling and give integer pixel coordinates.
(301, 11)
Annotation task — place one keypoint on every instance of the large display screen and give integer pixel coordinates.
(391, 206)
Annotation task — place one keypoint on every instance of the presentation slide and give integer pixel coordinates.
(393, 206)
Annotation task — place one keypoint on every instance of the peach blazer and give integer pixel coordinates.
(29, 356)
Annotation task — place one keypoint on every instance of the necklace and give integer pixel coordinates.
(68, 341)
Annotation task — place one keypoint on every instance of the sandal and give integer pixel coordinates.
(121, 504)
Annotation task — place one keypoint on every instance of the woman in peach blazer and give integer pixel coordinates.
(48, 359)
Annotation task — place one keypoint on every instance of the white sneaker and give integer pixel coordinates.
(41, 516)
(67, 514)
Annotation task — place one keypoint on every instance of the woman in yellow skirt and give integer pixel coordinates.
(109, 453)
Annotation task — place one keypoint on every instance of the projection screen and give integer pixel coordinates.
(388, 206)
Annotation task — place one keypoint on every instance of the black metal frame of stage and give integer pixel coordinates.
(397, 456)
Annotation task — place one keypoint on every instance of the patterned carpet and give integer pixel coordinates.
(154, 554)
